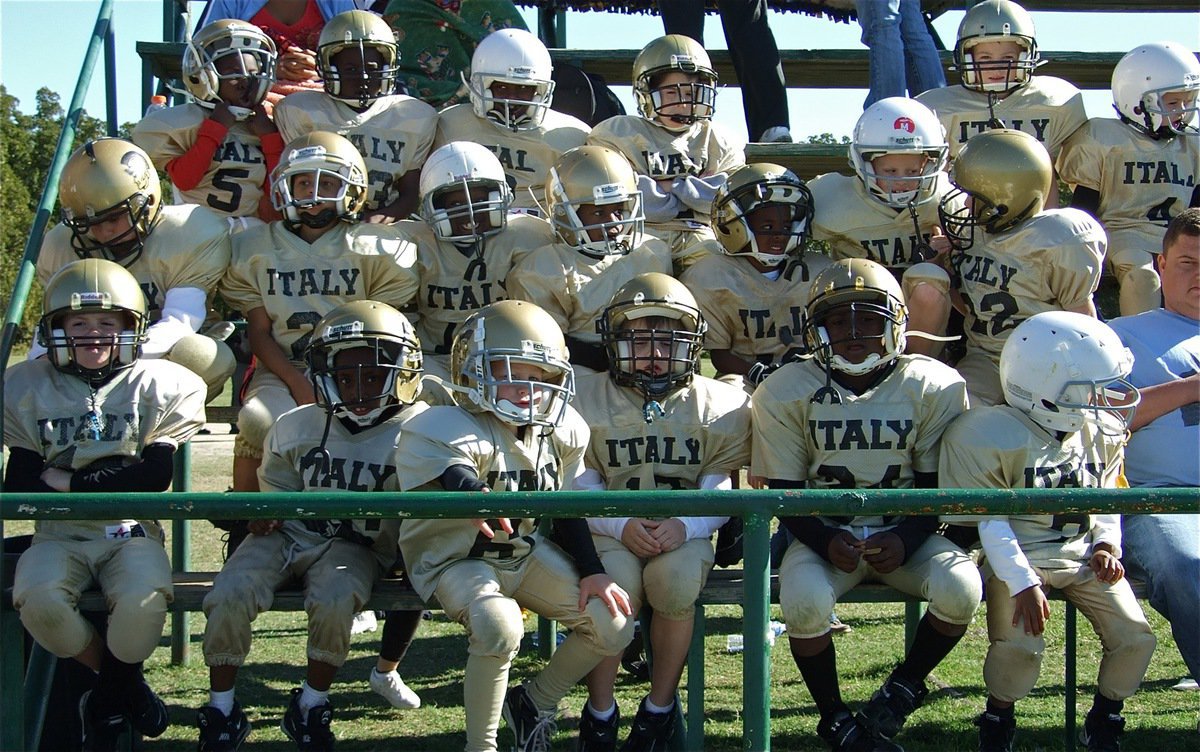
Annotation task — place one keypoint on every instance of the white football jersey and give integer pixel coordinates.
(393, 135)
(704, 430)
(188, 247)
(706, 148)
(445, 436)
(233, 183)
(453, 284)
(856, 225)
(1050, 262)
(297, 283)
(1001, 447)
(1142, 182)
(874, 440)
(71, 425)
(358, 460)
(754, 317)
(575, 288)
(526, 156)
(1047, 108)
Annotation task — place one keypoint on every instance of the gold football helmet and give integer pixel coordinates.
(651, 359)
(320, 154)
(228, 38)
(996, 21)
(1007, 175)
(360, 30)
(103, 180)
(392, 342)
(597, 176)
(855, 286)
(498, 337)
(87, 286)
(750, 187)
(674, 52)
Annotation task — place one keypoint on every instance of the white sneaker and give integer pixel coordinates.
(776, 134)
(391, 687)
(364, 621)
(1187, 684)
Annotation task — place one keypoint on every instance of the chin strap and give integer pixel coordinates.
(319, 455)
(921, 251)
(993, 121)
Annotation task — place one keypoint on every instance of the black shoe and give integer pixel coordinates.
(147, 712)
(1101, 732)
(102, 726)
(891, 704)
(596, 735)
(651, 732)
(533, 728)
(995, 733)
(843, 733)
(310, 731)
(221, 733)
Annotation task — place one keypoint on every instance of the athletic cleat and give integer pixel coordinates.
(995, 733)
(310, 731)
(102, 727)
(843, 733)
(885, 713)
(221, 733)
(532, 728)
(596, 735)
(147, 712)
(651, 732)
(392, 688)
(1101, 732)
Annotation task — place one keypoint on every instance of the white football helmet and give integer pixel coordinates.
(511, 56)
(462, 165)
(996, 21)
(222, 39)
(598, 176)
(1063, 368)
(502, 335)
(899, 125)
(1144, 75)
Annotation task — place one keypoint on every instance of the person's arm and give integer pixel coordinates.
(23, 472)
(406, 202)
(1086, 199)
(188, 169)
(152, 473)
(810, 531)
(273, 358)
(593, 356)
(183, 312)
(726, 362)
(1160, 399)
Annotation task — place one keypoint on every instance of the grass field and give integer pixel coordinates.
(1160, 719)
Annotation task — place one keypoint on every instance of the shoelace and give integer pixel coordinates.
(541, 733)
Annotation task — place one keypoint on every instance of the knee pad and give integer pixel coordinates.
(253, 421)
(495, 625)
(806, 607)
(673, 584)
(1011, 668)
(1141, 290)
(955, 592)
(925, 273)
(206, 357)
(54, 623)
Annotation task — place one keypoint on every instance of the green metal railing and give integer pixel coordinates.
(756, 507)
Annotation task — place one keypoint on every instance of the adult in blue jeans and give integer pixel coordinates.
(1164, 549)
(901, 50)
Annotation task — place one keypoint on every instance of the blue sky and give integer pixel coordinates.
(42, 44)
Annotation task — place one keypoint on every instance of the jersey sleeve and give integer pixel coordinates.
(161, 139)
(779, 448)
(180, 404)
(1069, 117)
(534, 279)
(1082, 159)
(1074, 270)
(730, 435)
(435, 441)
(944, 405)
(199, 252)
(278, 471)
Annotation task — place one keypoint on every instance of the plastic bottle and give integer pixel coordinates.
(157, 102)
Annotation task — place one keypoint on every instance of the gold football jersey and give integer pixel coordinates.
(393, 135)
(756, 318)
(1142, 183)
(188, 247)
(575, 288)
(453, 285)
(1049, 263)
(858, 226)
(1001, 447)
(1047, 108)
(233, 183)
(704, 149)
(872, 440)
(363, 460)
(526, 156)
(71, 425)
(704, 430)
(297, 283)
(442, 437)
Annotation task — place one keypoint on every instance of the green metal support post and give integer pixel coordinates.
(756, 658)
(181, 557)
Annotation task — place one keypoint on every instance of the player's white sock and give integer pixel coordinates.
(601, 715)
(657, 709)
(222, 701)
(311, 698)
